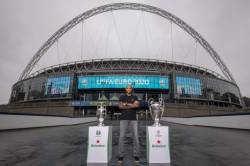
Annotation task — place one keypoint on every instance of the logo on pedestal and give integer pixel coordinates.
(98, 133)
(158, 144)
(97, 143)
(158, 133)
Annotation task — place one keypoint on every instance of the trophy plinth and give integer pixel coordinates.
(158, 151)
(99, 140)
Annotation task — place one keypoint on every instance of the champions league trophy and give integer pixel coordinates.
(156, 111)
(157, 136)
(99, 140)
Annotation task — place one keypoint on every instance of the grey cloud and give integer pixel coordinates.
(27, 24)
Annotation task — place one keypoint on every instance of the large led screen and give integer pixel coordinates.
(188, 85)
(121, 81)
(57, 85)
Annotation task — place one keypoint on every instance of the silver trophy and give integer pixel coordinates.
(156, 111)
(100, 113)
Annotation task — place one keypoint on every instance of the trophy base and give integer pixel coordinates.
(99, 145)
(158, 152)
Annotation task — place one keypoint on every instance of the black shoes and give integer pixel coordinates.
(120, 160)
(136, 159)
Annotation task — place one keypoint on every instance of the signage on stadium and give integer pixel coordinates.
(58, 85)
(121, 81)
(188, 85)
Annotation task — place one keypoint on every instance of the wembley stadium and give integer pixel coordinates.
(76, 88)
(82, 85)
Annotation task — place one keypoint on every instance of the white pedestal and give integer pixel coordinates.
(99, 145)
(158, 145)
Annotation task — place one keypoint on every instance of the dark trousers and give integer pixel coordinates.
(124, 125)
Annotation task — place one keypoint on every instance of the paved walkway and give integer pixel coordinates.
(8, 122)
(67, 146)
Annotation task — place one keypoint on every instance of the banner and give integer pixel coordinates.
(188, 85)
(121, 81)
(57, 85)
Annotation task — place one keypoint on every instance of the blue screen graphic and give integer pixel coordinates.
(57, 85)
(121, 81)
(188, 85)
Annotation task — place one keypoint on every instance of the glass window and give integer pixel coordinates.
(216, 89)
(37, 88)
(57, 86)
(188, 86)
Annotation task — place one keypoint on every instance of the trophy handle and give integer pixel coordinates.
(151, 114)
(105, 111)
(150, 101)
(161, 100)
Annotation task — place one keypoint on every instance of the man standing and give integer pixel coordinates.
(128, 104)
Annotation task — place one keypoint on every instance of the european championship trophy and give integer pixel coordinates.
(100, 113)
(157, 136)
(99, 140)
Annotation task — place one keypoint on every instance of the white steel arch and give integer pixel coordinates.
(130, 6)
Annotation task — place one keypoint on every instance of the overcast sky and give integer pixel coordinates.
(27, 24)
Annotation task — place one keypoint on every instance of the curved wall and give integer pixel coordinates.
(181, 87)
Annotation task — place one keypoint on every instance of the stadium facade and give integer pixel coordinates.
(85, 84)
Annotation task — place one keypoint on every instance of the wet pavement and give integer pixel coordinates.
(67, 146)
